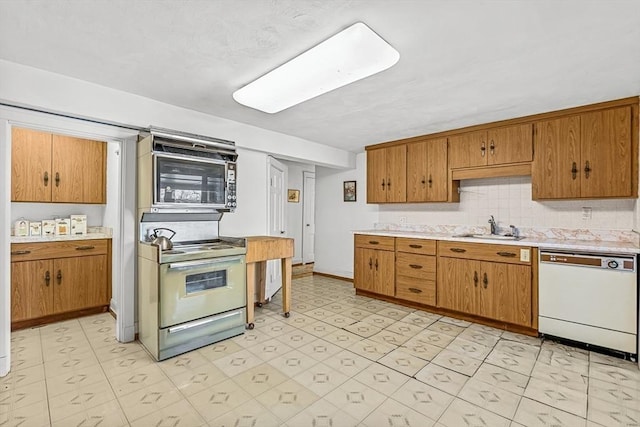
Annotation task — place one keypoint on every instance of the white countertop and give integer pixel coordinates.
(573, 245)
(94, 233)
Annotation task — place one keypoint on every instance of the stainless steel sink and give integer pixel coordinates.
(490, 236)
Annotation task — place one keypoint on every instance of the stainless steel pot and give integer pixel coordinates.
(164, 242)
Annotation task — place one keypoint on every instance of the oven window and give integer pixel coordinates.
(206, 281)
(182, 181)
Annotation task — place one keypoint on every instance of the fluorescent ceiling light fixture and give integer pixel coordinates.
(351, 55)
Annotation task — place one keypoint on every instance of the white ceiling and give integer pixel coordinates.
(461, 62)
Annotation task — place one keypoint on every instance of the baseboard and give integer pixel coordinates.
(333, 276)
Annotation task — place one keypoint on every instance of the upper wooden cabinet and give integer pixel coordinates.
(54, 168)
(386, 175)
(496, 146)
(427, 171)
(589, 155)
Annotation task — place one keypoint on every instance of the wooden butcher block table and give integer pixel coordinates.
(260, 249)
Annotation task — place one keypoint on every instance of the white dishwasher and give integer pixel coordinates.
(590, 298)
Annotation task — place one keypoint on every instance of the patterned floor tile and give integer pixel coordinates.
(557, 396)
(535, 414)
(502, 378)
(403, 361)
(287, 399)
(611, 415)
(457, 362)
(355, 399)
(490, 397)
(423, 398)
(462, 413)
(442, 378)
(393, 413)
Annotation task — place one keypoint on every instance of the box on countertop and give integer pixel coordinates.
(48, 227)
(63, 226)
(78, 224)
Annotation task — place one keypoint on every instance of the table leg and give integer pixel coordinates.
(286, 285)
(262, 285)
(251, 292)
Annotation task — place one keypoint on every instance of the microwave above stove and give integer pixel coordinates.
(193, 173)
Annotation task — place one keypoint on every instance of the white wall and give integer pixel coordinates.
(5, 243)
(295, 210)
(336, 219)
(250, 217)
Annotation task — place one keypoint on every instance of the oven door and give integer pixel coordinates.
(183, 181)
(192, 290)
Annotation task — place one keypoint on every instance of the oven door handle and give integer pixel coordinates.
(202, 322)
(206, 262)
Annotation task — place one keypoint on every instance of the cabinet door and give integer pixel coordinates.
(364, 273)
(31, 178)
(79, 172)
(437, 170)
(513, 144)
(468, 150)
(417, 172)
(458, 281)
(384, 266)
(376, 176)
(506, 294)
(396, 163)
(606, 153)
(79, 281)
(31, 292)
(555, 172)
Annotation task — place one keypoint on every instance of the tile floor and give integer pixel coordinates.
(339, 360)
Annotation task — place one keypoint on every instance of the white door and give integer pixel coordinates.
(277, 221)
(308, 216)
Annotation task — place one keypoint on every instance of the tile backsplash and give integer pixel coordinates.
(509, 201)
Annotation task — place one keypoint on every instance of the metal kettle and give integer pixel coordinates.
(164, 242)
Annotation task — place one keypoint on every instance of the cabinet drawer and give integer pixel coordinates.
(375, 242)
(61, 249)
(421, 267)
(420, 291)
(486, 252)
(416, 246)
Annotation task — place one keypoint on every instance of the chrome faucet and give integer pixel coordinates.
(494, 226)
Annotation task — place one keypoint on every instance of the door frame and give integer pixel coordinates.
(275, 264)
(305, 175)
(124, 250)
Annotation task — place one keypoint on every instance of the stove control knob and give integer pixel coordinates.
(233, 204)
(229, 197)
(612, 263)
(233, 197)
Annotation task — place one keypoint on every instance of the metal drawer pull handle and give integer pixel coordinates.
(483, 149)
(458, 250)
(47, 278)
(383, 184)
(506, 254)
(46, 178)
(587, 169)
(376, 264)
(20, 252)
(373, 242)
(475, 279)
(59, 277)
(415, 290)
(57, 179)
(574, 170)
(485, 280)
(416, 266)
(492, 147)
(370, 263)
(84, 248)
(430, 181)
(415, 246)
(202, 322)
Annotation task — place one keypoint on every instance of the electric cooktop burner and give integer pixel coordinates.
(203, 249)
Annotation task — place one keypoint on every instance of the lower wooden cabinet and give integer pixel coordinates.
(54, 279)
(374, 264)
(483, 280)
(499, 291)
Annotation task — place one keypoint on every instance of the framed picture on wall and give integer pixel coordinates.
(349, 191)
(293, 196)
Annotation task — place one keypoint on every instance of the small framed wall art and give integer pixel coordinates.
(293, 196)
(349, 191)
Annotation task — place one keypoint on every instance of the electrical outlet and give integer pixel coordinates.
(525, 255)
(586, 213)
(403, 219)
